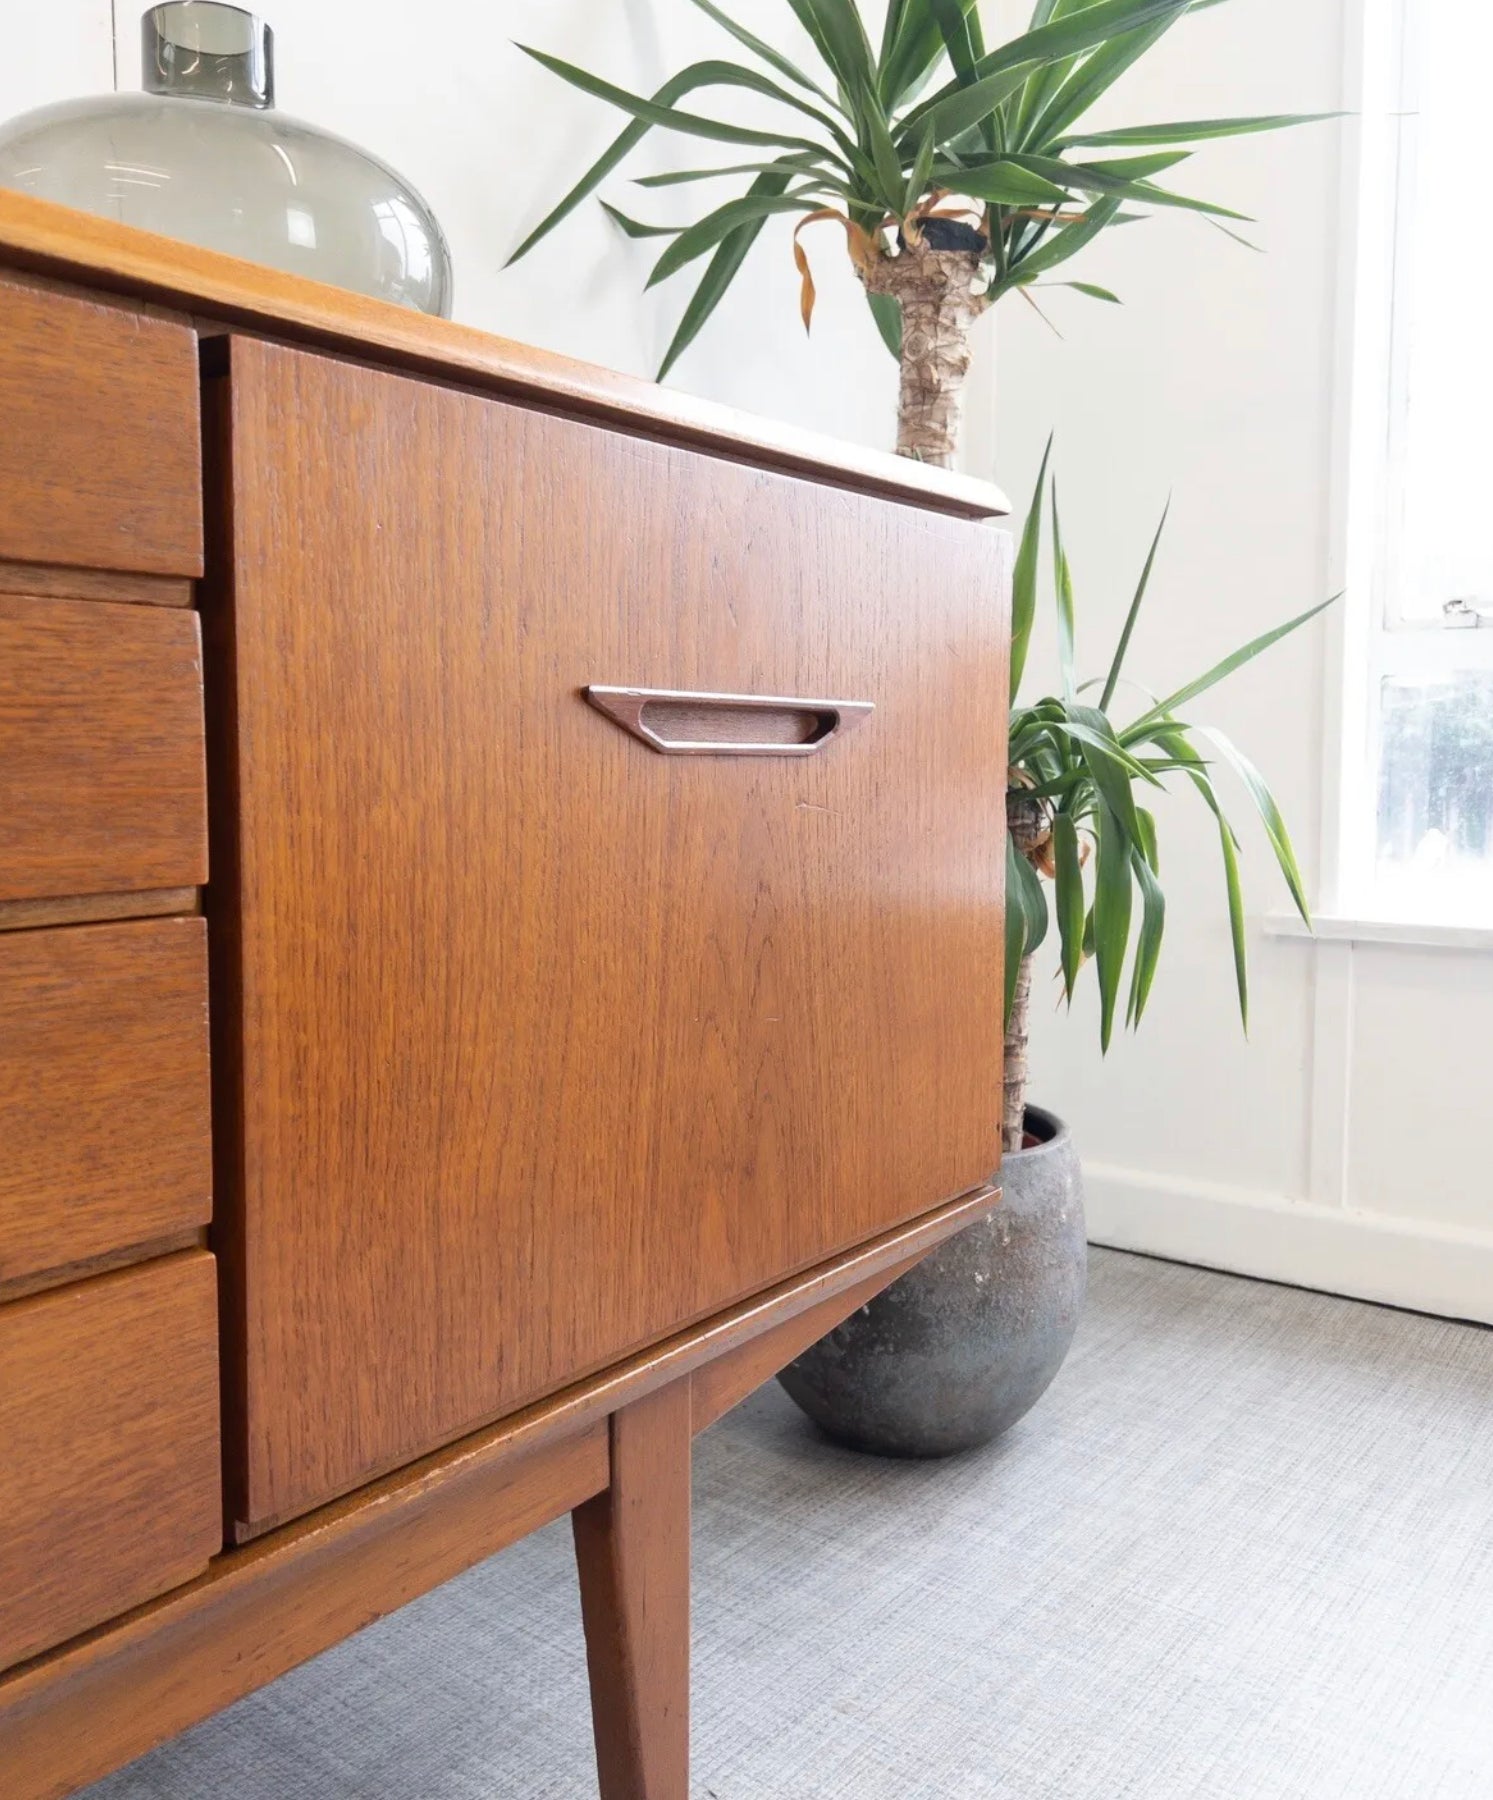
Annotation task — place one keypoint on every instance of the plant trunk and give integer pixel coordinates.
(934, 289)
(1029, 821)
(936, 292)
(1013, 1120)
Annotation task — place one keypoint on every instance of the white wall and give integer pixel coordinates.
(493, 141)
(53, 52)
(1342, 1147)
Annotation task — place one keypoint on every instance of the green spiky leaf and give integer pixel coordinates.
(719, 274)
(1024, 578)
(887, 312)
(1069, 903)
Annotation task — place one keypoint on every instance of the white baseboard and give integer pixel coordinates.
(1428, 1268)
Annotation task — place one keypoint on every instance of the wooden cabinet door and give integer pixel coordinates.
(105, 1118)
(551, 1043)
(109, 1481)
(101, 778)
(100, 443)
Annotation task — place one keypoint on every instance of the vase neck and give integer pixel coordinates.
(208, 52)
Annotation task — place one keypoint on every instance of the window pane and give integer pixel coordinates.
(1436, 796)
(1446, 352)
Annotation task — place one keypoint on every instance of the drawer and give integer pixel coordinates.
(109, 1484)
(104, 1105)
(553, 1043)
(100, 451)
(102, 783)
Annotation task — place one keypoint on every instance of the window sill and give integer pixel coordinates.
(1336, 928)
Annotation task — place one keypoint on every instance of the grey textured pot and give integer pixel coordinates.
(956, 1351)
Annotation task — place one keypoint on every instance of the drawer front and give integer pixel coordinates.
(553, 1043)
(104, 1106)
(102, 787)
(100, 458)
(109, 1483)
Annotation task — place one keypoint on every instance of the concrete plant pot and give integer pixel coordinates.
(960, 1348)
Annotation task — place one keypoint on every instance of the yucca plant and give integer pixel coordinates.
(959, 174)
(1076, 821)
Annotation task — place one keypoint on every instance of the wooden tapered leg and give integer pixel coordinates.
(632, 1550)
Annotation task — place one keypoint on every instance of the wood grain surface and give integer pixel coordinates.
(109, 1482)
(725, 1381)
(552, 1044)
(632, 1551)
(65, 1274)
(104, 1103)
(56, 240)
(68, 1717)
(622, 1383)
(102, 784)
(93, 909)
(570, 1076)
(99, 453)
(42, 580)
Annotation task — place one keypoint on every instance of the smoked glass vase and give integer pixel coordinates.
(204, 156)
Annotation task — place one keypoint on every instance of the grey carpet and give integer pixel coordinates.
(1244, 1549)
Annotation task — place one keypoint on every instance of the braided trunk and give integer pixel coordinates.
(933, 288)
(1013, 1111)
(1029, 821)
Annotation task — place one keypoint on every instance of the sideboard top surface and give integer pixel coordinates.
(43, 238)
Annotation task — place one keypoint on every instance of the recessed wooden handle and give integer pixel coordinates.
(684, 724)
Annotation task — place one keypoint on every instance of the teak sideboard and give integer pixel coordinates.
(500, 949)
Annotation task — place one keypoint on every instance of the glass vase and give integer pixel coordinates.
(204, 156)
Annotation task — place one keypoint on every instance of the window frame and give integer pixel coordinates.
(1374, 640)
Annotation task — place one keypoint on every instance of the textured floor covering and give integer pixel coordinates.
(1243, 1550)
